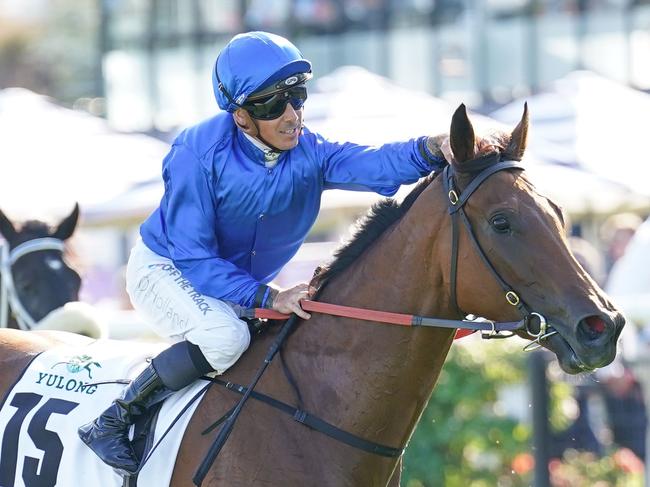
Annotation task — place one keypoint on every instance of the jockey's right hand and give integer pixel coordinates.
(288, 301)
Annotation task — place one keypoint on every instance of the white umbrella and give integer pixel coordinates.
(52, 157)
(601, 123)
(580, 192)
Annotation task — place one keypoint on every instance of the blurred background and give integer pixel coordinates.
(92, 92)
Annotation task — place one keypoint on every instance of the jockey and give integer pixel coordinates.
(242, 190)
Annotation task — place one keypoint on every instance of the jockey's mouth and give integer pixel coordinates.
(291, 130)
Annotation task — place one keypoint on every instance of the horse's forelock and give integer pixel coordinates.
(478, 164)
(501, 141)
(33, 229)
(493, 147)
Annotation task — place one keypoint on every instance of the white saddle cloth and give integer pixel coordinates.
(39, 417)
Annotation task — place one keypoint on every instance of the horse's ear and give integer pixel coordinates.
(461, 135)
(68, 224)
(519, 138)
(7, 228)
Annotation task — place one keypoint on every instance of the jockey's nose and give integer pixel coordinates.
(290, 113)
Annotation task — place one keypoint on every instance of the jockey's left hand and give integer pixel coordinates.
(288, 301)
(482, 145)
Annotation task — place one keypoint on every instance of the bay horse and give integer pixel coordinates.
(374, 380)
(37, 279)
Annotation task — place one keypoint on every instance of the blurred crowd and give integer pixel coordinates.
(610, 408)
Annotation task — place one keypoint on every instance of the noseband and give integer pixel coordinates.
(8, 295)
(456, 206)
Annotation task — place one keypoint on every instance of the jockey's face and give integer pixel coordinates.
(281, 132)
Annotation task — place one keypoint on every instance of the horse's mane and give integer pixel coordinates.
(369, 228)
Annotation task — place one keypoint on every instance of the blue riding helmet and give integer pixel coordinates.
(250, 62)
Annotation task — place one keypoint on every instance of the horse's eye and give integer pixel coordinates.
(501, 224)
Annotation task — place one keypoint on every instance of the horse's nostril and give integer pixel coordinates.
(596, 324)
(593, 327)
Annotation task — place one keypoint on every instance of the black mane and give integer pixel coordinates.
(369, 228)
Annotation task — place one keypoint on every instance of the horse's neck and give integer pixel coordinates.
(374, 379)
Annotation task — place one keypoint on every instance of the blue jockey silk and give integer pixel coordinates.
(230, 224)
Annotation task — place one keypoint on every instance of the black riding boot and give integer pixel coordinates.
(108, 435)
(171, 370)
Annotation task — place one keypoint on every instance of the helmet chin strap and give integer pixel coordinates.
(258, 136)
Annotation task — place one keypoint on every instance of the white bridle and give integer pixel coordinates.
(8, 296)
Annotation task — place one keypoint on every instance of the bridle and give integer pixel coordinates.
(8, 295)
(456, 207)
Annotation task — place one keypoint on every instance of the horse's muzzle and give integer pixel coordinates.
(594, 344)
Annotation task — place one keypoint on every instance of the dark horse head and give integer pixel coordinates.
(522, 235)
(35, 276)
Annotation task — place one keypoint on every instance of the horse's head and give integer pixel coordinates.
(34, 272)
(522, 236)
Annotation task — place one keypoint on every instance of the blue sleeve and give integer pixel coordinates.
(380, 169)
(190, 221)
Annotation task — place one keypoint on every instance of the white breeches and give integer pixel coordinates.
(171, 306)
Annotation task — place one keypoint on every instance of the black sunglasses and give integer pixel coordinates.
(272, 107)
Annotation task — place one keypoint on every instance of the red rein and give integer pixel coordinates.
(350, 312)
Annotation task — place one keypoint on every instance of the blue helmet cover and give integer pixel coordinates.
(250, 62)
